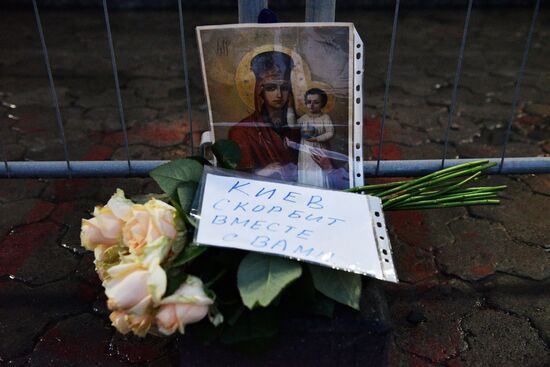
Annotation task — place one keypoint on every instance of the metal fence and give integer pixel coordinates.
(319, 10)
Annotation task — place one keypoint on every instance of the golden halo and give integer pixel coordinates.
(299, 93)
(245, 80)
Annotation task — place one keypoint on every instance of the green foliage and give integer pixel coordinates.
(175, 277)
(261, 278)
(186, 193)
(227, 153)
(171, 175)
(338, 285)
(189, 253)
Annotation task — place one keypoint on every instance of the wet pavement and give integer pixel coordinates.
(475, 287)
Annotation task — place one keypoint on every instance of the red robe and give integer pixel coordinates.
(260, 144)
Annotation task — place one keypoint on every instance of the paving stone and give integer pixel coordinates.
(482, 248)
(522, 297)
(22, 323)
(61, 263)
(108, 186)
(61, 190)
(538, 183)
(539, 109)
(41, 96)
(154, 134)
(477, 149)
(462, 130)
(24, 250)
(133, 349)
(10, 189)
(24, 211)
(424, 229)
(70, 215)
(77, 341)
(412, 264)
(523, 214)
(155, 88)
(108, 98)
(15, 152)
(439, 337)
(499, 339)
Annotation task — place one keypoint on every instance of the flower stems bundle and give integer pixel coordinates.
(441, 189)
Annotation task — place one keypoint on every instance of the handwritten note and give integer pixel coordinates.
(331, 228)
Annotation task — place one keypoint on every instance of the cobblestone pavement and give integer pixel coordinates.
(475, 287)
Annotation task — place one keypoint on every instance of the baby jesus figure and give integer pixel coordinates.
(316, 130)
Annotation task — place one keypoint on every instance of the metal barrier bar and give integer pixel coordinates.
(186, 76)
(249, 10)
(519, 79)
(457, 80)
(388, 80)
(320, 10)
(387, 168)
(52, 88)
(117, 85)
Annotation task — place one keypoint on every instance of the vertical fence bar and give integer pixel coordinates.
(186, 75)
(117, 85)
(456, 81)
(320, 10)
(249, 10)
(52, 88)
(388, 80)
(518, 82)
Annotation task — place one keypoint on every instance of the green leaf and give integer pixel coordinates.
(323, 306)
(261, 278)
(175, 277)
(227, 153)
(200, 159)
(186, 193)
(189, 253)
(339, 285)
(172, 174)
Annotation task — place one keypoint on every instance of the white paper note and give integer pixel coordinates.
(331, 228)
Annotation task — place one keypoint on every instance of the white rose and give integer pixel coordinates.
(105, 228)
(187, 305)
(152, 228)
(134, 286)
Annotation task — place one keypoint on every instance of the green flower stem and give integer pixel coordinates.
(440, 189)
(449, 205)
(375, 186)
(440, 176)
(454, 198)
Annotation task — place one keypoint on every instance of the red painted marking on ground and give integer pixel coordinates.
(98, 153)
(21, 243)
(482, 270)
(61, 211)
(38, 212)
(530, 120)
(165, 134)
(72, 348)
(410, 227)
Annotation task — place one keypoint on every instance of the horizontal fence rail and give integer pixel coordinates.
(141, 168)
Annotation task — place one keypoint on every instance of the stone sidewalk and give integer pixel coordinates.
(475, 283)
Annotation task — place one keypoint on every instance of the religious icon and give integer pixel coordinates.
(285, 94)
